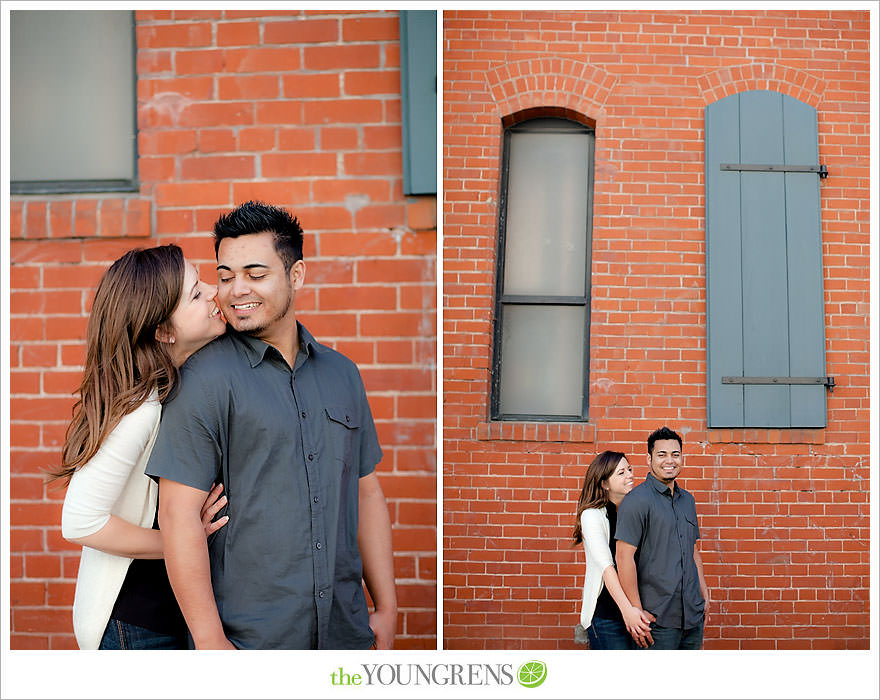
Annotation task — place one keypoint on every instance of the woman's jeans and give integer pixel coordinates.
(122, 635)
(609, 634)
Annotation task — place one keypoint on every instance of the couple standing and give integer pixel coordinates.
(265, 414)
(657, 596)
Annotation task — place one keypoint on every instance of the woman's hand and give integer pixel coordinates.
(638, 624)
(212, 505)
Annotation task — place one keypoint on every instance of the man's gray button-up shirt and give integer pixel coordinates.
(289, 447)
(662, 525)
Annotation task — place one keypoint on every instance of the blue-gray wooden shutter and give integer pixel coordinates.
(765, 313)
(418, 86)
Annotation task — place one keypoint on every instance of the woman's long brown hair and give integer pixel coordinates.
(124, 360)
(592, 493)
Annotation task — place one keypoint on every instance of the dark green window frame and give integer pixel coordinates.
(62, 186)
(505, 301)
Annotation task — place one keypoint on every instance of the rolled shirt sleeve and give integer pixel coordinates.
(370, 451)
(630, 520)
(188, 448)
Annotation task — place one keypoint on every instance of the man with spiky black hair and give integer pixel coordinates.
(658, 560)
(283, 422)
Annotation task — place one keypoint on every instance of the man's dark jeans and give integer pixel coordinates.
(675, 638)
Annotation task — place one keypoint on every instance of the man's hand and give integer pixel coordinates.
(384, 626)
(704, 589)
(219, 643)
(705, 607)
(374, 541)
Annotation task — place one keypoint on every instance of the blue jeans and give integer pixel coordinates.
(609, 634)
(675, 638)
(122, 635)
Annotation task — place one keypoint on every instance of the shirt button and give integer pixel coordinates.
(317, 545)
(347, 419)
(311, 456)
(320, 594)
(303, 414)
(315, 499)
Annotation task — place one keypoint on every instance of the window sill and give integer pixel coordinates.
(536, 431)
(768, 436)
(85, 216)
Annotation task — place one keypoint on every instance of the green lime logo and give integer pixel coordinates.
(531, 674)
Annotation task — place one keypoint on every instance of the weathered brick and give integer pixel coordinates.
(645, 86)
(238, 33)
(222, 98)
(301, 31)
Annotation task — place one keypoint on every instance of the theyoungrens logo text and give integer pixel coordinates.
(530, 674)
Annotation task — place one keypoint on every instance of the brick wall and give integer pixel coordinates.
(299, 109)
(784, 514)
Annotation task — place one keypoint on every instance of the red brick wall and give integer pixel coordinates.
(299, 109)
(784, 514)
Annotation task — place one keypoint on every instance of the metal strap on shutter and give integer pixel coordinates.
(757, 167)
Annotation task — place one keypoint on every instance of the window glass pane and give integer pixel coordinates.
(546, 225)
(72, 95)
(542, 355)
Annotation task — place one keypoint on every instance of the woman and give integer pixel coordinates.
(606, 612)
(150, 313)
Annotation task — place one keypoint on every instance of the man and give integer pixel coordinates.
(283, 423)
(658, 562)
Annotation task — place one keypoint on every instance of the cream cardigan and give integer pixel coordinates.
(113, 481)
(595, 530)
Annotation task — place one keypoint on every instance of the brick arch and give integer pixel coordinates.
(543, 112)
(761, 76)
(549, 82)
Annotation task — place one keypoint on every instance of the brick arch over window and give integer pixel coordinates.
(549, 82)
(761, 76)
(547, 112)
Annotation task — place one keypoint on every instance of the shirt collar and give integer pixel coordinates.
(658, 485)
(256, 349)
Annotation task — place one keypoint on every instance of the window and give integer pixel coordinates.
(541, 356)
(765, 305)
(72, 101)
(418, 78)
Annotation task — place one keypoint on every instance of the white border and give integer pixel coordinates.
(777, 674)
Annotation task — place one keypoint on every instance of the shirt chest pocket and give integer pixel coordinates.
(343, 423)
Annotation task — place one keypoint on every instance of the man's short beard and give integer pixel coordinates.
(259, 330)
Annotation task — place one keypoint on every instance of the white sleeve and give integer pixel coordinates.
(596, 538)
(96, 486)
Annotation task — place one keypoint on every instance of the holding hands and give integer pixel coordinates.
(638, 624)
